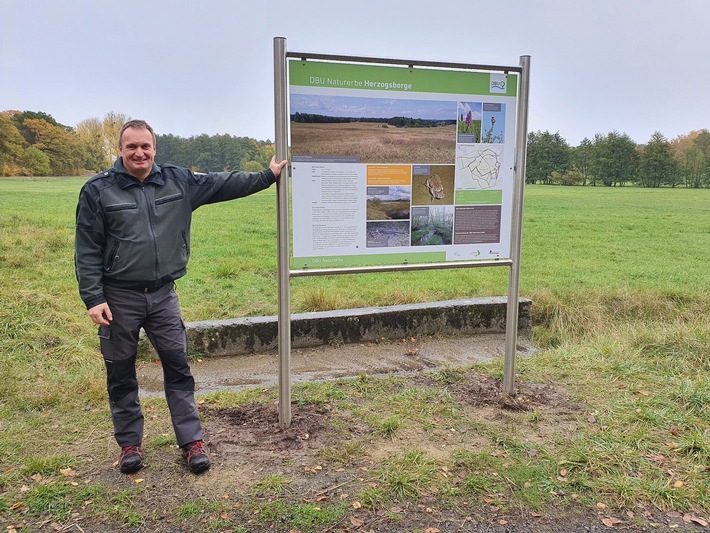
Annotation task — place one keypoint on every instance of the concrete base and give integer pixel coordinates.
(243, 336)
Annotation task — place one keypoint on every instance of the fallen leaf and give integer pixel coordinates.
(16, 505)
(139, 480)
(535, 515)
(36, 477)
(563, 472)
(68, 472)
(643, 393)
(678, 484)
(503, 522)
(698, 520)
(610, 521)
(601, 505)
(356, 522)
(431, 530)
(224, 516)
(688, 518)
(357, 505)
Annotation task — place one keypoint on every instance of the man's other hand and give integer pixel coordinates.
(101, 314)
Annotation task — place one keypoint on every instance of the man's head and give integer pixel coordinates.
(136, 146)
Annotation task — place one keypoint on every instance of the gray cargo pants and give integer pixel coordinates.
(158, 313)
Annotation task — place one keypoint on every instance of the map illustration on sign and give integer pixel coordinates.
(478, 166)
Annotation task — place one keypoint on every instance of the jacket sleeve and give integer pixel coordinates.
(222, 186)
(89, 245)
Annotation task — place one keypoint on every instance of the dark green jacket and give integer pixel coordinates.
(137, 235)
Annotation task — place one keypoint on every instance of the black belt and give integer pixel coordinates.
(146, 288)
(151, 288)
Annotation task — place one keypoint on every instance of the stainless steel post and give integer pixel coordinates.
(521, 145)
(281, 140)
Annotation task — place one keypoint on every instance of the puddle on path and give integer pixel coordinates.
(333, 362)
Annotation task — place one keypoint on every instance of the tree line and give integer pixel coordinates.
(35, 144)
(614, 160)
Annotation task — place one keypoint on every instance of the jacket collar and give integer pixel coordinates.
(125, 180)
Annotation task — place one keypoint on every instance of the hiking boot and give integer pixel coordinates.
(196, 457)
(131, 459)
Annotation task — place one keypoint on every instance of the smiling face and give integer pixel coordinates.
(137, 149)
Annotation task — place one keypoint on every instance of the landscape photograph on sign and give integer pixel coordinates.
(388, 202)
(376, 130)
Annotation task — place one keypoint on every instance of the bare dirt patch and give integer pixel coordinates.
(252, 430)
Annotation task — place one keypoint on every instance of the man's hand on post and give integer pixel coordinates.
(277, 167)
(101, 314)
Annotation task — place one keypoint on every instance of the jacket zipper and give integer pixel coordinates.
(152, 230)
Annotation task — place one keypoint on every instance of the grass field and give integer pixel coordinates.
(621, 312)
(376, 142)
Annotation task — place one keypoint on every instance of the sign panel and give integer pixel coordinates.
(394, 165)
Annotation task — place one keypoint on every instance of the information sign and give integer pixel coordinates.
(398, 165)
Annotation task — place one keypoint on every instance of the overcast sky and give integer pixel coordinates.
(189, 67)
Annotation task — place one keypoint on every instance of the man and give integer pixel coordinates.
(132, 243)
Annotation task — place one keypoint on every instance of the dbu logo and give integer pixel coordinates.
(498, 82)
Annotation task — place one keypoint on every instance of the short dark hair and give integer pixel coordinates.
(137, 124)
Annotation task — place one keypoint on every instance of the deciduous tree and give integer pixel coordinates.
(547, 152)
(657, 165)
(62, 147)
(91, 137)
(614, 159)
(12, 147)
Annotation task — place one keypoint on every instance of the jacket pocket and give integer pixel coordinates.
(112, 257)
(121, 207)
(185, 246)
(170, 198)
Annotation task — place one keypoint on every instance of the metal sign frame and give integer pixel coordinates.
(281, 117)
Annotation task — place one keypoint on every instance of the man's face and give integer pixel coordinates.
(138, 152)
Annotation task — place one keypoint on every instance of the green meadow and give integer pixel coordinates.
(621, 313)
